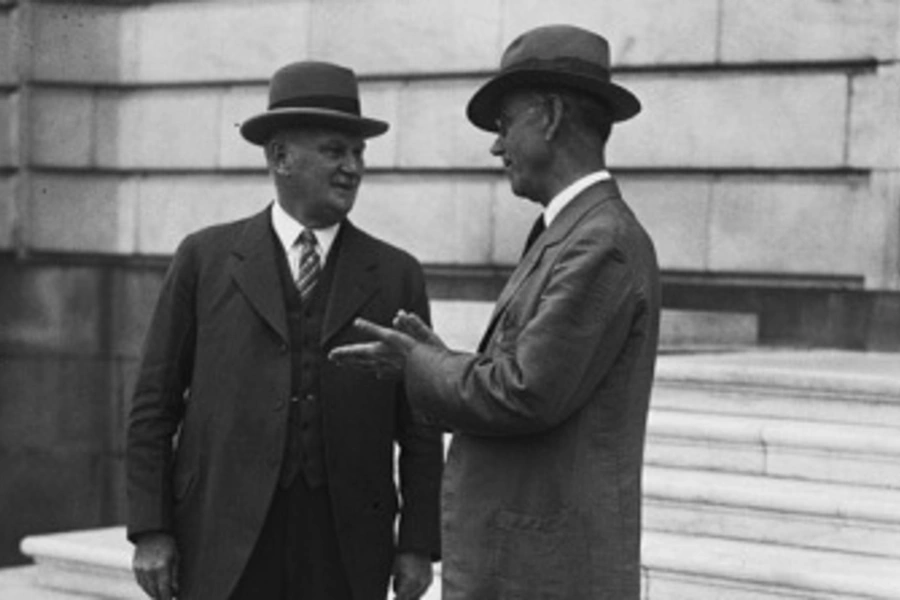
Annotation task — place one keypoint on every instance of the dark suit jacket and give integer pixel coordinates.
(542, 489)
(216, 378)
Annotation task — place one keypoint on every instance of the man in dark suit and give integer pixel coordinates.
(255, 468)
(542, 489)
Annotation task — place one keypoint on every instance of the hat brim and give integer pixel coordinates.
(484, 107)
(259, 128)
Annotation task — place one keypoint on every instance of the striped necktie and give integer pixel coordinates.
(309, 266)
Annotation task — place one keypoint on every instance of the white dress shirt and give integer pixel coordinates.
(288, 229)
(563, 198)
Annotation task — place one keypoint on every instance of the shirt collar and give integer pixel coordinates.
(559, 201)
(287, 229)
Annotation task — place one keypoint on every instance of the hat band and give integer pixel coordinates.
(330, 102)
(575, 66)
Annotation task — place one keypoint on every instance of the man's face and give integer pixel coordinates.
(320, 169)
(521, 146)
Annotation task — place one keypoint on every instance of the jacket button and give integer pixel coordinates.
(283, 348)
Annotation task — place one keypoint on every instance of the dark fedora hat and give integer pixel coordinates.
(311, 93)
(553, 56)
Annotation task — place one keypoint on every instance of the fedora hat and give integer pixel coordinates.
(553, 56)
(311, 93)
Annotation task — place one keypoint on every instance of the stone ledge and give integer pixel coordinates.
(462, 324)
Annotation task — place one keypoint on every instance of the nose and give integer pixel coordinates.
(497, 146)
(352, 163)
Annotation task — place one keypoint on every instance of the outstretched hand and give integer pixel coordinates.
(386, 356)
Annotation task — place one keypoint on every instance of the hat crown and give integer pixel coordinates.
(312, 93)
(312, 84)
(559, 46)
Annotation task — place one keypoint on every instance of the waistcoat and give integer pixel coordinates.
(304, 450)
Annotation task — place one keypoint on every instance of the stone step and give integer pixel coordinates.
(811, 450)
(20, 583)
(780, 512)
(676, 567)
(829, 386)
(93, 562)
(682, 567)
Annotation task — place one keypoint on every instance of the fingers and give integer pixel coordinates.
(413, 575)
(357, 355)
(155, 565)
(412, 325)
(158, 583)
(378, 332)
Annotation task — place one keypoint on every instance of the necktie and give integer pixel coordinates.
(309, 265)
(536, 230)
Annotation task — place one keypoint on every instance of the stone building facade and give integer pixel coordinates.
(766, 165)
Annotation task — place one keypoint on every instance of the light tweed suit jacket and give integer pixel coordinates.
(542, 486)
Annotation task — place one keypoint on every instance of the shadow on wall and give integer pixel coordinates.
(69, 342)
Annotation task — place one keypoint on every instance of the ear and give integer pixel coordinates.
(276, 156)
(555, 108)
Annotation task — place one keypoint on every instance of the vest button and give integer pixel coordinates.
(295, 399)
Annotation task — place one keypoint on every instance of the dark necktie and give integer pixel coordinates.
(536, 230)
(309, 266)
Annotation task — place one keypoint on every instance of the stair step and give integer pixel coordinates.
(92, 562)
(681, 567)
(776, 511)
(822, 451)
(841, 387)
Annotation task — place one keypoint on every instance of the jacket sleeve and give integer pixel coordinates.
(158, 401)
(420, 459)
(538, 368)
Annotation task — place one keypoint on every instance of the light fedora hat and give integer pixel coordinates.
(311, 93)
(554, 56)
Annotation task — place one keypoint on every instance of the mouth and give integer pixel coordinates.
(346, 186)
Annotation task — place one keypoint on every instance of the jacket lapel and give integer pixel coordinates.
(256, 272)
(355, 279)
(556, 233)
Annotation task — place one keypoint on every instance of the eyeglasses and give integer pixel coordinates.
(504, 122)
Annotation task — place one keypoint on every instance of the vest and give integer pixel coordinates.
(304, 450)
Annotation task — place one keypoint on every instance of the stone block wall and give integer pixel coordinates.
(766, 165)
(767, 146)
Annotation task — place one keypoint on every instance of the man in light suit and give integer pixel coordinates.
(256, 469)
(542, 486)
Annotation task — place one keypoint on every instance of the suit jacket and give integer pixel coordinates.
(215, 378)
(542, 485)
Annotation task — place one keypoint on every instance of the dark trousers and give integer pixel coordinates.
(296, 556)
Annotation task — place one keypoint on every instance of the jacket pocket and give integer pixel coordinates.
(538, 556)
